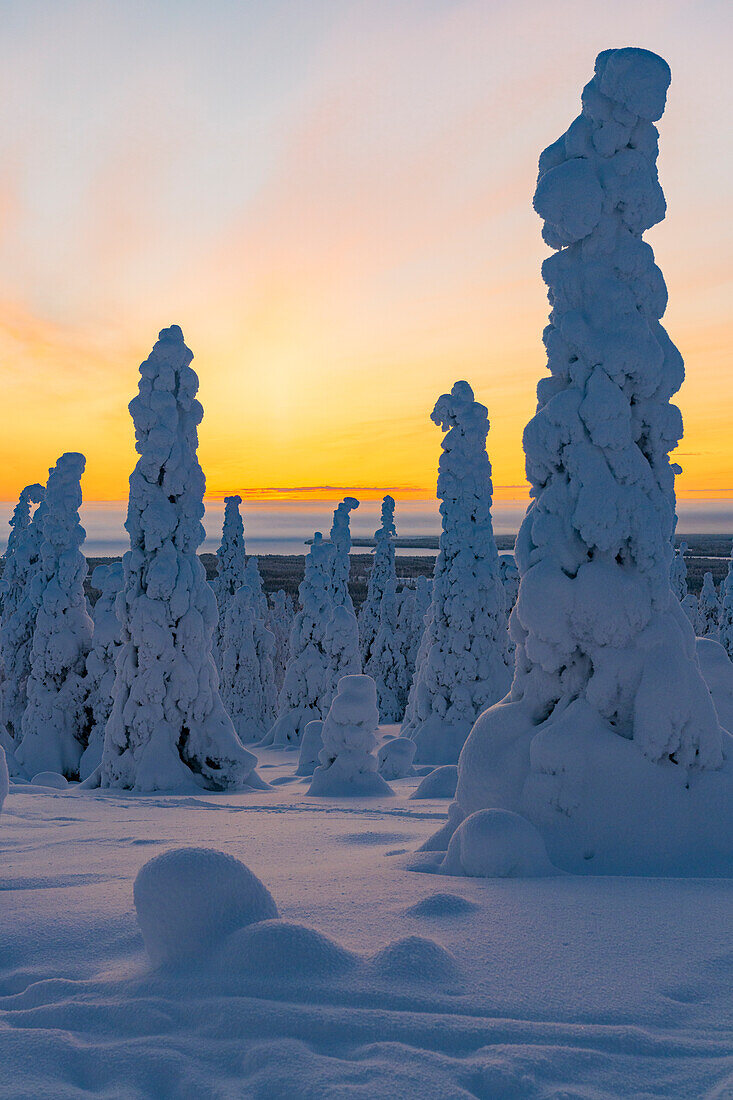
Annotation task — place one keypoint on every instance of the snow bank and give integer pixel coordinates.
(463, 666)
(395, 758)
(609, 742)
(168, 726)
(187, 900)
(348, 764)
(497, 844)
(55, 724)
(439, 783)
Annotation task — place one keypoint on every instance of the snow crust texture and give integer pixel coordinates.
(463, 664)
(168, 726)
(348, 761)
(55, 724)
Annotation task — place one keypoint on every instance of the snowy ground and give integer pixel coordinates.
(561, 987)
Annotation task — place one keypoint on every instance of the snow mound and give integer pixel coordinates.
(441, 905)
(284, 950)
(189, 899)
(50, 779)
(497, 844)
(395, 758)
(310, 748)
(415, 959)
(717, 672)
(439, 783)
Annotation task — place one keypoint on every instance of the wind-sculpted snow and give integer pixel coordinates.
(246, 655)
(55, 725)
(231, 560)
(168, 726)
(348, 761)
(280, 622)
(463, 666)
(708, 609)
(609, 740)
(22, 560)
(100, 680)
(308, 675)
(678, 573)
(382, 575)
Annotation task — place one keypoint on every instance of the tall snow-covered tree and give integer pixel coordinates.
(341, 561)
(464, 666)
(708, 609)
(383, 574)
(22, 560)
(678, 573)
(246, 655)
(308, 674)
(231, 559)
(55, 725)
(100, 668)
(168, 726)
(608, 703)
(725, 626)
(342, 631)
(280, 623)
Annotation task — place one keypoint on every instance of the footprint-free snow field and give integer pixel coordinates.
(376, 981)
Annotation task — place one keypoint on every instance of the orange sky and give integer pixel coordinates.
(334, 202)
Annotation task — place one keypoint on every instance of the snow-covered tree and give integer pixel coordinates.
(348, 761)
(604, 740)
(308, 675)
(55, 725)
(678, 573)
(230, 560)
(708, 609)
(341, 561)
(510, 580)
(22, 561)
(725, 626)
(465, 666)
(168, 726)
(382, 576)
(280, 623)
(100, 669)
(690, 606)
(342, 631)
(246, 655)
(387, 661)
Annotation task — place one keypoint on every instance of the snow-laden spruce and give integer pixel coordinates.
(609, 740)
(689, 606)
(341, 562)
(382, 576)
(510, 580)
(55, 725)
(231, 559)
(708, 609)
(348, 761)
(308, 675)
(725, 625)
(168, 726)
(464, 666)
(280, 623)
(387, 661)
(342, 631)
(678, 573)
(22, 561)
(246, 655)
(100, 669)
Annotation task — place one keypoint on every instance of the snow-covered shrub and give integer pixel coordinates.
(678, 573)
(246, 653)
(609, 741)
(725, 625)
(22, 562)
(280, 623)
(382, 577)
(108, 580)
(348, 762)
(55, 725)
(708, 609)
(310, 748)
(168, 725)
(497, 844)
(395, 757)
(308, 675)
(230, 561)
(189, 899)
(464, 666)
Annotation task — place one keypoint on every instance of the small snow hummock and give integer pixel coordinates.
(609, 742)
(231, 559)
(168, 727)
(725, 625)
(100, 680)
(439, 783)
(708, 609)
(22, 561)
(463, 666)
(308, 674)
(280, 622)
(51, 780)
(348, 763)
(395, 758)
(246, 652)
(189, 899)
(497, 844)
(55, 725)
(678, 573)
(383, 574)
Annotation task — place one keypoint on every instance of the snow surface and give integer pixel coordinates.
(375, 982)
